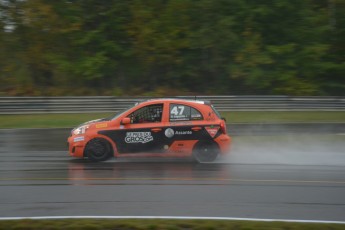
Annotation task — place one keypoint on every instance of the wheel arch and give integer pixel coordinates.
(111, 143)
(211, 141)
(210, 146)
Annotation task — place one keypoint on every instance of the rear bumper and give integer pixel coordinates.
(224, 142)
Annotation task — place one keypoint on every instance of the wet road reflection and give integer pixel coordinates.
(35, 168)
(156, 172)
(51, 183)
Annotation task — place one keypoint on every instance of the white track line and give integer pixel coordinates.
(172, 217)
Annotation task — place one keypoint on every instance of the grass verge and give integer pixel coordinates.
(133, 224)
(71, 120)
(284, 116)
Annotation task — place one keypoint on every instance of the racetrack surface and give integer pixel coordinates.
(49, 183)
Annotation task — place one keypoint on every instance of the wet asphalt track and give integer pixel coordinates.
(49, 183)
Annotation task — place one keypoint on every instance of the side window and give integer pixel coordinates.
(195, 115)
(147, 114)
(183, 113)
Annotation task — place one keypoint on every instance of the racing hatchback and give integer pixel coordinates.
(173, 128)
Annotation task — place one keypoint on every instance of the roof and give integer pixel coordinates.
(177, 99)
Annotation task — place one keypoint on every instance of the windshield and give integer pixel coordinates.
(120, 112)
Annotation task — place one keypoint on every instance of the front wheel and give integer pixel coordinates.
(205, 152)
(98, 149)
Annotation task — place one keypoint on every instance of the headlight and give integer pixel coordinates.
(80, 130)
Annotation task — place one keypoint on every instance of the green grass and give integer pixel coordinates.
(132, 224)
(47, 120)
(290, 116)
(71, 120)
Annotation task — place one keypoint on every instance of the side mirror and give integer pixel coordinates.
(125, 121)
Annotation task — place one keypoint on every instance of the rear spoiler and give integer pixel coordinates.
(207, 102)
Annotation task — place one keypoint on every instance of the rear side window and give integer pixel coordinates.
(180, 112)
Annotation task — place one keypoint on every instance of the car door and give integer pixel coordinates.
(144, 133)
(185, 123)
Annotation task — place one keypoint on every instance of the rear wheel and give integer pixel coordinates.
(205, 152)
(98, 149)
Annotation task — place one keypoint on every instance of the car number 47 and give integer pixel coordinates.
(177, 110)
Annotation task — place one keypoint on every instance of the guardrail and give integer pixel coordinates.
(85, 104)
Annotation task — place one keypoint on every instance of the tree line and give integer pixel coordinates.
(172, 47)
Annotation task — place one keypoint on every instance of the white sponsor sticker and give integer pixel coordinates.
(138, 137)
(169, 132)
(183, 132)
(76, 139)
(212, 130)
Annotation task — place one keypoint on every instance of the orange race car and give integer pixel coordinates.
(154, 128)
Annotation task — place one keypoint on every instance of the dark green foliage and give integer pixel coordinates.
(160, 48)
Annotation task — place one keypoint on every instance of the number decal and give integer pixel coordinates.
(181, 109)
(177, 110)
(174, 111)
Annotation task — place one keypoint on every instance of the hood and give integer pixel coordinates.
(94, 121)
(91, 122)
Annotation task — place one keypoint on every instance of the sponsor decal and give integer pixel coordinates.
(169, 132)
(196, 116)
(212, 130)
(180, 123)
(138, 137)
(77, 139)
(102, 125)
(183, 132)
(179, 113)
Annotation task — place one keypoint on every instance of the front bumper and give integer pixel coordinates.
(76, 145)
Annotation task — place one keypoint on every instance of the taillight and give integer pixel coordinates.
(223, 127)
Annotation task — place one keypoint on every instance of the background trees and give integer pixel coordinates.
(165, 47)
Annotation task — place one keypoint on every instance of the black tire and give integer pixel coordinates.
(205, 151)
(98, 149)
